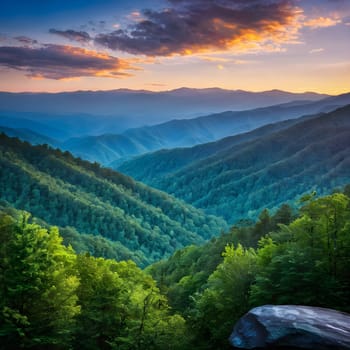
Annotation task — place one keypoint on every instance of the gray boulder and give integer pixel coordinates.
(292, 326)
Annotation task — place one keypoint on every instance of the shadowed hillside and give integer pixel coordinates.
(113, 149)
(239, 179)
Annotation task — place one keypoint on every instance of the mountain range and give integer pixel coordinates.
(239, 176)
(82, 113)
(112, 149)
(221, 177)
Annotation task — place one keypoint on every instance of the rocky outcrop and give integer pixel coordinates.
(292, 326)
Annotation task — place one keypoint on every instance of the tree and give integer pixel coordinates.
(38, 287)
(261, 228)
(101, 298)
(121, 308)
(226, 298)
(284, 215)
(307, 262)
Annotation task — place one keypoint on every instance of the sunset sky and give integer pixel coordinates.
(61, 45)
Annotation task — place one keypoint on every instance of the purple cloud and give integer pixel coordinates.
(24, 40)
(62, 62)
(73, 35)
(189, 26)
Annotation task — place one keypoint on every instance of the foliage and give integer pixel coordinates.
(226, 297)
(69, 192)
(299, 259)
(52, 298)
(95, 245)
(240, 176)
(38, 299)
(307, 262)
(187, 271)
(122, 308)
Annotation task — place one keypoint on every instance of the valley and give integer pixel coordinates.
(239, 176)
(202, 219)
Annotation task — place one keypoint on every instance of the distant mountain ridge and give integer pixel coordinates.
(239, 176)
(108, 102)
(112, 150)
(83, 113)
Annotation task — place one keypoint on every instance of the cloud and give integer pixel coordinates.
(72, 35)
(192, 26)
(214, 59)
(24, 40)
(3, 37)
(135, 16)
(222, 60)
(322, 22)
(316, 50)
(62, 62)
(156, 84)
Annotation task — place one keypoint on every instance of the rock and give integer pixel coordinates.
(292, 326)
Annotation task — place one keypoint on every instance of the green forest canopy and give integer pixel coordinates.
(52, 297)
(143, 223)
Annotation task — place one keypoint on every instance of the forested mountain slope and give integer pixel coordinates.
(241, 180)
(150, 168)
(65, 191)
(199, 292)
(112, 149)
(96, 245)
(28, 135)
(104, 139)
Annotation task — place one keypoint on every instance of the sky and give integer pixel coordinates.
(255, 45)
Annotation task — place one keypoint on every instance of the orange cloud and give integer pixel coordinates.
(135, 16)
(63, 62)
(214, 59)
(322, 22)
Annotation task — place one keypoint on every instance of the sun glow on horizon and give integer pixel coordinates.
(293, 46)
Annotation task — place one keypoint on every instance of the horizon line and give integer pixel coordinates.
(174, 89)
